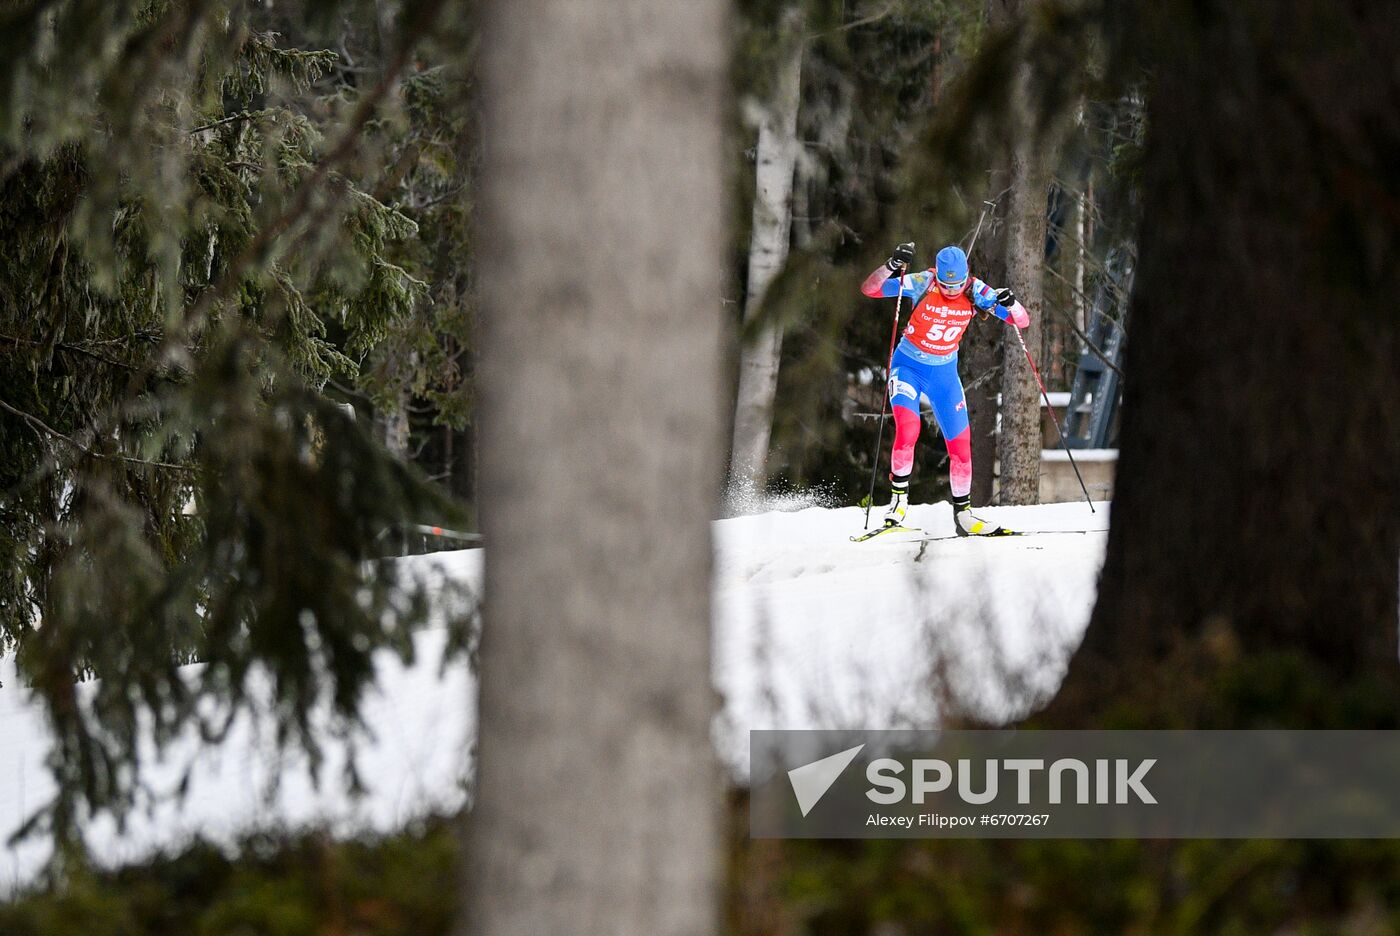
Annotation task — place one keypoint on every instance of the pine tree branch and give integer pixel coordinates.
(231, 118)
(42, 428)
(72, 348)
(425, 15)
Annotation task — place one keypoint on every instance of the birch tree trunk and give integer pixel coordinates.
(394, 427)
(392, 422)
(597, 800)
(768, 250)
(1019, 445)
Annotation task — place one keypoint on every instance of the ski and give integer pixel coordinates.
(972, 536)
(1004, 532)
(881, 531)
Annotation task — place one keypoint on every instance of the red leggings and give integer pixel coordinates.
(906, 433)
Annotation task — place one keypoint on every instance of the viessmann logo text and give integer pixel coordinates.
(979, 782)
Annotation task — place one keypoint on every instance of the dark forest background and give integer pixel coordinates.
(270, 301)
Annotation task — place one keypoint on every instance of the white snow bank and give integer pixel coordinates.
(421, 718)
(811, 630)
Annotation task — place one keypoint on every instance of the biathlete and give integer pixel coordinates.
(926, 364)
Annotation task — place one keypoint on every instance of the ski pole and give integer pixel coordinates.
(985, 206)
(889, 363)
(1040, 383)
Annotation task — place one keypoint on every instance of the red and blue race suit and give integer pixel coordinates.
(925, 364)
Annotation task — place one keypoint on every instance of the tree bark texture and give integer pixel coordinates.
(394, 425)
(1256, 499)
(1019, 444)
(768, 249)
(597, 801)
(980, 358)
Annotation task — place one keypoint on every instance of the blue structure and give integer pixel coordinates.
(1091, 421)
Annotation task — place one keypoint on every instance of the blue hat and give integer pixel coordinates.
(951, 265)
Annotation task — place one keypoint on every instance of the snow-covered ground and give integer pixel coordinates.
(1080, 455)
(811, 630)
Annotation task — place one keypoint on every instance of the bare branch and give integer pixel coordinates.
(73, 348)
(42, 428)
(889, 10)
(1075, 328)
(231, 118)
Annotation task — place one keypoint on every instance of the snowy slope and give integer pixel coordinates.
(816, 631)
(811, 630)
(420, 724)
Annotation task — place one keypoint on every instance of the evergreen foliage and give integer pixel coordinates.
(192, 260)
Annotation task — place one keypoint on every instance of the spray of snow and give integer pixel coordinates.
(745, 499)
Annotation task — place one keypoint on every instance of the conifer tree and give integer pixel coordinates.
(190, 256)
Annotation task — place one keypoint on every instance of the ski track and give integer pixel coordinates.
(811, 631)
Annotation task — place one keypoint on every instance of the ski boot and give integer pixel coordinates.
(965, 523)
(899, 503)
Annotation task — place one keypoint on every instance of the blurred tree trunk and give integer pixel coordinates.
(393, 422)
(935, 79)
(386, 14)
(1019, 444)
(597, 800)
(1257, 511)
(768, 249)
